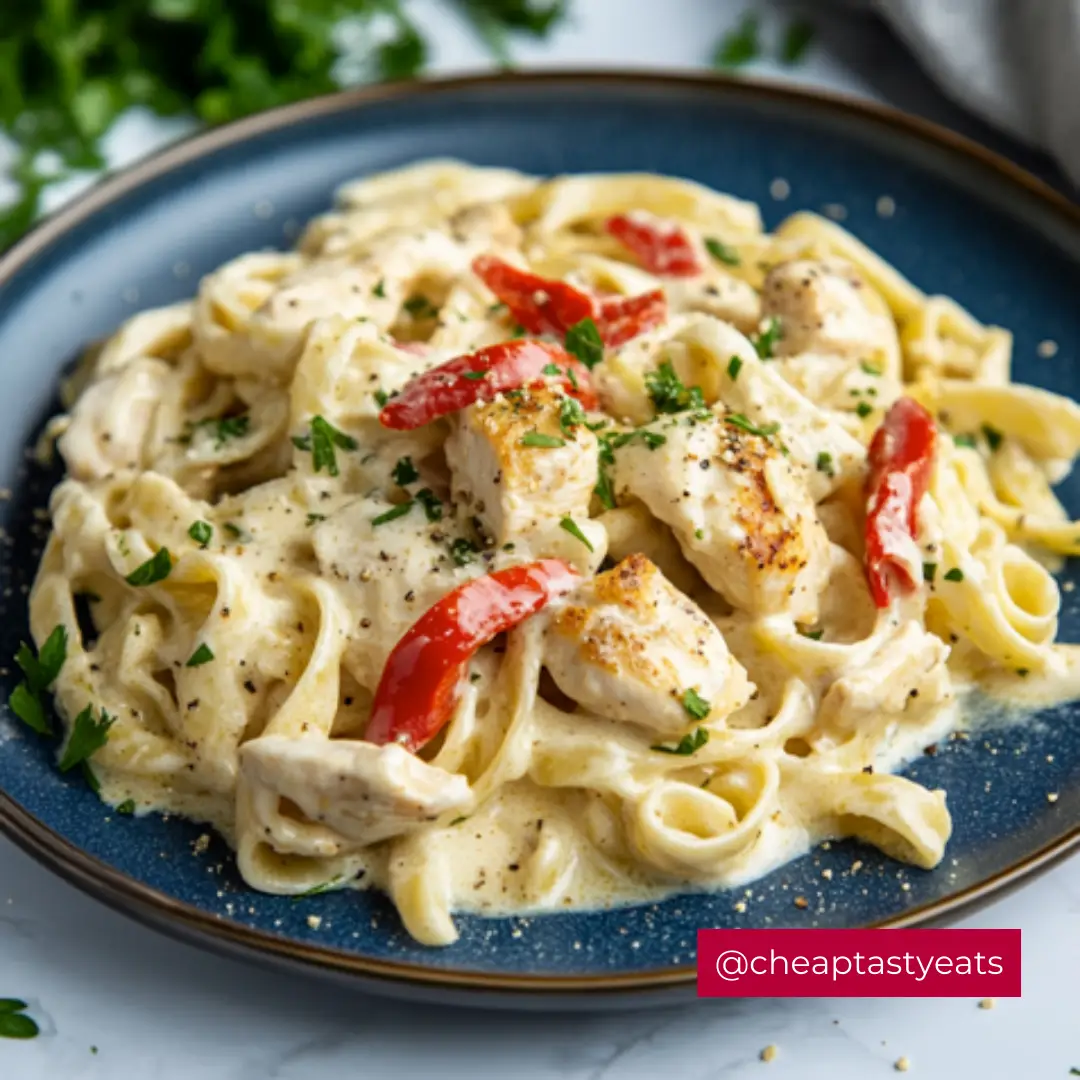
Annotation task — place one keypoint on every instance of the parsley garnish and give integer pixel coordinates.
(420, 307)
(538, 438)
(40, 671)
(431, 503)
(202, 655)
(87, 737)
(813, 635)
(739, 421)
(699, 534)
(474, 376)
(201, 532)
(740, 45)
(955, 574)
(734, 367)
(797, 39)
(695, 705)
(381, 398)
(571, 526)
(551, 369)
(126, 807)
(323, 886)
(721, 251)
(864, 408)
(929, 571)
(393, 513)
(653, 439)
(605, 490)
(226, 427)
(314, 519)
(765, 340)
(668, 393)
(380, 289)
(156, 568)
(405, 472)
(825, 464)
(14, 1024)
(321, 442)
(462, 551)
(869, 368)
(583, 341)
(965, 440)
(687, 745)
(571, 414)
(994, 437)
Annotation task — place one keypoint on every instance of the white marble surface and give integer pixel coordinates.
(118, 1002)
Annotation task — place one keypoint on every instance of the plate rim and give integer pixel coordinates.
(164, 912)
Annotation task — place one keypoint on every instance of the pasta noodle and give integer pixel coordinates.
(717, 691)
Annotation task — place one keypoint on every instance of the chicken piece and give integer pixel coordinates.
(739, 508)
(364, 792)
(491, 223)
(826, 307)
(112, 424)
(517, 468)
(906, 676)
(717, 294)
(628, 645)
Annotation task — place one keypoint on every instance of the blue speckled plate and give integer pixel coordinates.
(966, 224)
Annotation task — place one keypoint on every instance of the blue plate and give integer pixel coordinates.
(967, 224)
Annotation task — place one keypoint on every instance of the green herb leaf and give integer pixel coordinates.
(41, 670)
(813, 635)
(322, 887)
(475, 376)
(797, 39)
(965, 440)
(929, 570)
(381, 398)
(380, 289)
(462, 551)
(225, 428)
(668, 393)
(420, 307)
(864, 408)
(825, 464)
(740, 45)
(765, 340)
(405, 472)
(393, 513)
(314, 519)
(11, 1005)
(87, 737)
(432, 504)
(201, 532)
(737, 420)
(605, 489)
(955, 574)
(127, 807)
(571, 415)
(202, 655)
(324, 437)
(26, 705)
(721, 251)
(687, 745)
(869, 368)
(994, 438)
(574, 530)
(18, 1026)
(539, 439)
(583, 341)
(695, 705)
(551, 369)
(653, 439)
(734, 367)
(156, 568)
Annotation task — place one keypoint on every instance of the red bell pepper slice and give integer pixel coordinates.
(548, 306)
(901, 458)
(661, 247)
(422, 676)
(540, 305)
(479, 376)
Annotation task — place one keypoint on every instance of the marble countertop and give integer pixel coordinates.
(116, 1001)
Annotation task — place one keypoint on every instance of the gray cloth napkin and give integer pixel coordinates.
(1014, 62)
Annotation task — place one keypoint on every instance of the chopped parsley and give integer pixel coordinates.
(994, 438)
(740, 45)
(583, 340)
(551, 369)
(825, 464)
(156, 568)
(381, 398)
(1023, 672)
(323, 886)
(393, 513)
(797, 39)
(929, 571)
(202, 655)
(420, 307)
(236, 532)
(813, 635)
(765, 340)
(571, 414)
(201, 532)
(40, 671)
(605, 489)
(721, 251)
(869, 368)
(458, 820)
(699, 534)
(955, 574)
(314, 519)
(539, 439)
(380, 289)
(571, 526)
(126, 807)
(87, 737)
(321, 442)
(405, 472)
(965, 440)
(734, 367)
(695, 705)
(864, 408)
(462, 551)
(226, 427)
(687, 745)
(737, 420)
(14, 1023)
(431, 503)
(474, 376)
(653, 439)
(668, 393)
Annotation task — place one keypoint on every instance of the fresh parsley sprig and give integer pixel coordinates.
(40, 672)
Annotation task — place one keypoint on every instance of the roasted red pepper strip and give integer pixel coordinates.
(420, 682)
(541, 305)
(661, 246)
(624, 317)
(481, 375)
(901, 458)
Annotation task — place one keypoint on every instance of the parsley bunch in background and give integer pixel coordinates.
(68, 68)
